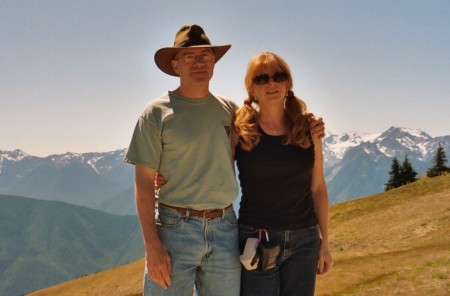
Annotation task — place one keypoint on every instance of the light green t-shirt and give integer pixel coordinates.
(188, 142)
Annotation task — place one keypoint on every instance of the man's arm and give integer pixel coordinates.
(156, 258)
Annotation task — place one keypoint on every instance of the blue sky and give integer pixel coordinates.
(76, 74)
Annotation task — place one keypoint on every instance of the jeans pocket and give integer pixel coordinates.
(230, 218)
(168, 218)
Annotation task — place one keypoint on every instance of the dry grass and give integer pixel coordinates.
(394, 243)
(124, 281)
(420, 271)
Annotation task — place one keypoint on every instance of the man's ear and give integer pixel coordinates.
(175, 66)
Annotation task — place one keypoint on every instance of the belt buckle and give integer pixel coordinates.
(204, 213)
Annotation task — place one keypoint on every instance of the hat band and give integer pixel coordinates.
(189, 43)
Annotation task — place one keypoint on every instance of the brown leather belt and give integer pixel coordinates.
(207, 214)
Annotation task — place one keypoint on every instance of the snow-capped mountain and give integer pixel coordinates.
(335, 146)
(358, 164)
(355, 165)
(88, 179)
(390, 143)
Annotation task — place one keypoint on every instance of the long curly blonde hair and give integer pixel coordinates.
(245, 120)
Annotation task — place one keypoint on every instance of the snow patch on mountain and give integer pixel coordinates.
(16, 155)
(11, 156)
(92, 162)
(336, 146)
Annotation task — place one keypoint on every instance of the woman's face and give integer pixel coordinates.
(269, 85)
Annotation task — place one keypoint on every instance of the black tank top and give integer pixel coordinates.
(276, 185)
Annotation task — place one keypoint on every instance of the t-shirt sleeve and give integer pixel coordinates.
(145, 146)
(230, 104)
(234, 106)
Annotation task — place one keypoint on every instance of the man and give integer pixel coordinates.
(185, 135)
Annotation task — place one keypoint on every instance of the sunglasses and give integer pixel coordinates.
(277, 77)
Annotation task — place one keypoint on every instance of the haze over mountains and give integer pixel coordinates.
(89, 179)
(355, 165)
(43, 243)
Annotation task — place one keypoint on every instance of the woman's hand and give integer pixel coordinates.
(325, 261)
(159, 182)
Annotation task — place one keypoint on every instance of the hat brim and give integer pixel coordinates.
(164, 56)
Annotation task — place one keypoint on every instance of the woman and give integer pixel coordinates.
(284, 196)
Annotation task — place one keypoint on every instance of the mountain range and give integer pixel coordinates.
(354, 164)
(357, 165)
(43, 243)
(94, 180)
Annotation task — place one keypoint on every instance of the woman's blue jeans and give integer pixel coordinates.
(203, 252)
(295, 273)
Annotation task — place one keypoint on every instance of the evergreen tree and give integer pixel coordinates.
(407, 173)
(439, 161)
(394, 173)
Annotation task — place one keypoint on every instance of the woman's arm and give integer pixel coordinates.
(320, 197)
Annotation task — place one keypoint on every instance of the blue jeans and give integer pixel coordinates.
(295, 273)
(203, 252)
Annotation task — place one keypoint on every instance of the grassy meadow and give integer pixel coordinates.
(392, 243)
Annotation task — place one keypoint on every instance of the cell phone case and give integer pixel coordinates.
(268, 253)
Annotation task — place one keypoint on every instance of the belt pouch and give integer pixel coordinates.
(268, 253)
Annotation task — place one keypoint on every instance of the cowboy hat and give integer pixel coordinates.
(187, 36)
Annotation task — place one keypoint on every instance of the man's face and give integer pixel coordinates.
(194, 65)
